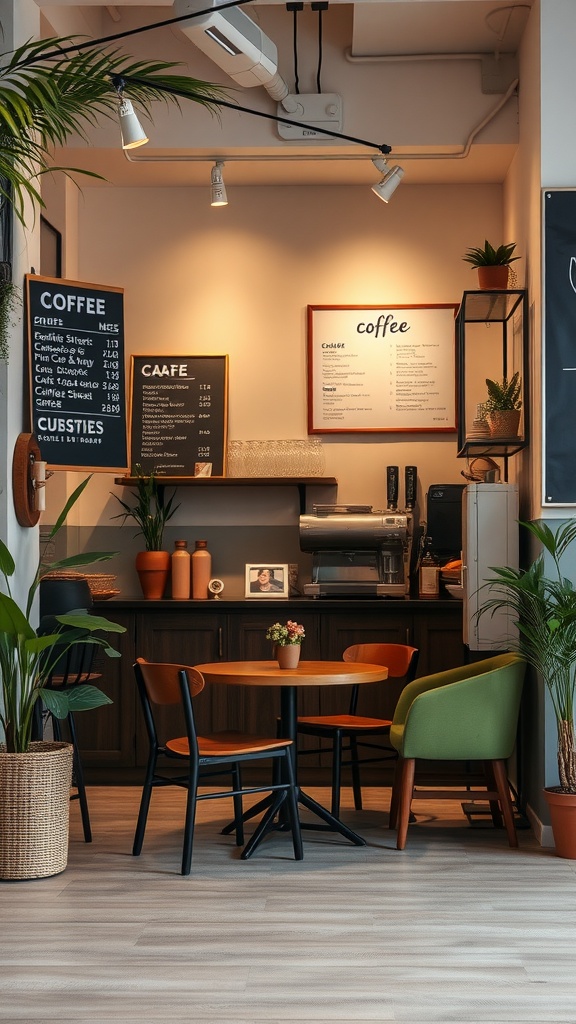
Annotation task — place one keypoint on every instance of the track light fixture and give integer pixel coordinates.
(217, 186)
(131, 131)
(385, 188)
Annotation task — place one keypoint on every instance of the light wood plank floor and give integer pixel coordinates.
(457, 928)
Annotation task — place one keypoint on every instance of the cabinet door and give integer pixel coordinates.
(438, 635)
(372, 626)
(184, 638)
(106, 734)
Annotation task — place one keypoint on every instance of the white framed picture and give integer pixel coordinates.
(266, 580)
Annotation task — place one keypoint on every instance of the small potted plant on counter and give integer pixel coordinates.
(151, 512)
(493, 265)
(544, 608)
(35, 775)
(286, 640)
(503, 406)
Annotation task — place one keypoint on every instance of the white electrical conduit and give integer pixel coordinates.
(460, 154)
(398, 58)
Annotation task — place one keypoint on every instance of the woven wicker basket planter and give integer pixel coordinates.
(35, 810)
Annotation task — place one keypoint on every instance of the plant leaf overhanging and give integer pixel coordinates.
(44, 100)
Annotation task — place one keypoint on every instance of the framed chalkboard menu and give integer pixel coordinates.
(76, 361)
(179, 414)
(559, 453)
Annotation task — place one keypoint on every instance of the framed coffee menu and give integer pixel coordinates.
(178, 418)
(381, 368)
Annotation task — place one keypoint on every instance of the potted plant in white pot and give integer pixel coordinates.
(545, 611)
(35, 776)
(493, 264)
(503, 406)
(151, 512)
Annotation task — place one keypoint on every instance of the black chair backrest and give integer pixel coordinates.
(60, 596)
(69, 665)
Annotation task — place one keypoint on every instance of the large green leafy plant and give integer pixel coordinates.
(545, 613)
(26, 659)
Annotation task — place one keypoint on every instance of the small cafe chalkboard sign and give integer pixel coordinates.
(76, 363)
(179, 411)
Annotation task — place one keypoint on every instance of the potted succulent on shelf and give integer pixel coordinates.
(493, 265)
(503, 406)
(545, 614)
(151, 512)
(286, 639)
(35, 776)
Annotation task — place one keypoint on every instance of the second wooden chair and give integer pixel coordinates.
(401, 662)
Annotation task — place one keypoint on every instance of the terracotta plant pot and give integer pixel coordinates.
(289, 656)
(494, 278)
(562, 807)
(153, 568)
(504, 422)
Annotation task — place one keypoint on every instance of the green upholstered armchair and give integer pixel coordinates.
(463, 714)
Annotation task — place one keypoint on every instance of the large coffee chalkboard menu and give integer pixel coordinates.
(179, 414)
(76, 361)
(559, 455)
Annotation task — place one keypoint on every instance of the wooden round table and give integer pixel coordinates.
(289, 681)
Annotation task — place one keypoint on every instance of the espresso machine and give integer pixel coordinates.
(359, 552)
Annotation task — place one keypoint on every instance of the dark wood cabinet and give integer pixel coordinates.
(185, 632)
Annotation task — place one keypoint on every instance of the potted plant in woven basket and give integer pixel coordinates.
(151, 512)
(545, 611)
(493, 264)
(35, 776)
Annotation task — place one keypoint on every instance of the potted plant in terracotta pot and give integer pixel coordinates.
(503, 406)
(151, 512)
(286, 639)
(35, 776)
(493, 265)
(545, 610)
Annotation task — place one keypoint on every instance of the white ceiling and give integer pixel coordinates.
(378, 27)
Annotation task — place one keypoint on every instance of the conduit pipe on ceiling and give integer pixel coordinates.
(398, 58)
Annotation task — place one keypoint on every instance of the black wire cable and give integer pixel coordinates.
(295, 46)
(318, 72)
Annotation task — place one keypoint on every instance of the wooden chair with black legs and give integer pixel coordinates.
(348, 733)
(161, 685)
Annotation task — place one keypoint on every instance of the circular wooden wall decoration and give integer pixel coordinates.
(26, 453)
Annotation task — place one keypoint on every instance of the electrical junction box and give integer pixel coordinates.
(320, 110)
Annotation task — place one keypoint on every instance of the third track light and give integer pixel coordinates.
(385, 188)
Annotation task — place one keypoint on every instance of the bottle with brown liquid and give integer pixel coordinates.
(429, 574)
(201, 570)
(181, 571)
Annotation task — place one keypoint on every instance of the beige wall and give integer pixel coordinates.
(238, 281)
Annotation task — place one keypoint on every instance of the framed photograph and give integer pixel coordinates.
(267, 580)
(373, 369)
